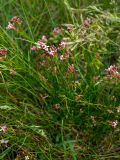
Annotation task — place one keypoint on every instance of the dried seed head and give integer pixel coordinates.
(71, 68)
(13, 72)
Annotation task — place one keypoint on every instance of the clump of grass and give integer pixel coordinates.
(60, 87)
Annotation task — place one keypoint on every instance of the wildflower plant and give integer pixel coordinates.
(60, 81)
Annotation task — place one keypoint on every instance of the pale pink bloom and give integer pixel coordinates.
(15, 20)
(52, 50)
(42, 45)
(87, 22)
(34, 48)
(4, 128)
(57, 30)
(10, 26)
(114, 123)
(3, 51)
(62, 45)
(44, 39)
(61, 57)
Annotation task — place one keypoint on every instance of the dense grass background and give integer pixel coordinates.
(50, 114)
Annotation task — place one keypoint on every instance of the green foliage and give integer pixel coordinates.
(65, 106)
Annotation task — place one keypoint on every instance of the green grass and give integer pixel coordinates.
(52, 114)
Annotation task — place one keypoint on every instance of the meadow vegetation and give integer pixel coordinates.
(60, 79)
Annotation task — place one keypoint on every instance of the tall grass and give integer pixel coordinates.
(56, 109)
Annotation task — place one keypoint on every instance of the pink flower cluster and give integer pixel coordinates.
(112, 70)
(62, 45)
(51, 50)
(13, 22)
(42, 45)
(3, 51)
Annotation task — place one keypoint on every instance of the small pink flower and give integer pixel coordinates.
(62, 45)
(87, 22)
(3, 51)
(15, 20)
(114, 123)
(44, 39)
(10, 26)
(4, 128)
(52, 50)
(112, 69)
(42, 45)
(34, 48)
(61, 57)
(57, 31)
